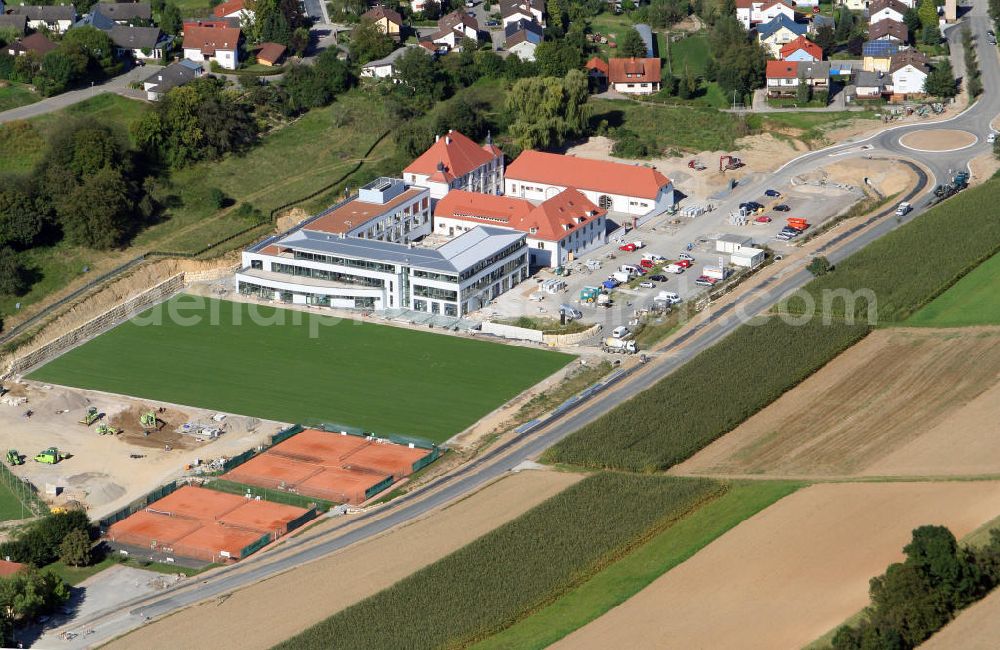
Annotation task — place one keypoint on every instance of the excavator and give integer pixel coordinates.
(91, 416)
(729, 163)
(107, 430)
(14, 457)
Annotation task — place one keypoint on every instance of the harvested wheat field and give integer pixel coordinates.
(902, 402)
(975, 628)
(789, 574)
(274, 610)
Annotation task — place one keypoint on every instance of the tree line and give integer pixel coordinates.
(82, 55)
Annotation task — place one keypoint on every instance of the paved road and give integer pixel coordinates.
(501, 459)
(115, 84)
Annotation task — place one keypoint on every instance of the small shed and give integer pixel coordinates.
(270, 54)
(747, 257)
(732, 243)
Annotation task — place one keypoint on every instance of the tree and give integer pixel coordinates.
(422, 75)
(170, 19)
(556, 58)
(299, 41)
(913, 23)
(825, 38)
(463, 116)
(666, 13)
(803, 92)
(413, 139)
(27, 594)
(930, 35)
(819, 266)
(489, 64)
(11, 273)
(98, 47)
(75, 548)
(845, 25)
(21, 215)
(8, 35)
(274, 28)
(631, 44)
(941, 82)
(545, 111)
(928, 13)
(97, 213)
(368, 43)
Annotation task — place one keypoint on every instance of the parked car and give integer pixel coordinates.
(628, 248)
(620, 332)
(646, 264)
(685, 256)
(673, 268)
(992, 137)
(774, 194)
(654, 257)
(763, 219)
(659, 277)
(989, 32)
(781, 208)
(646, 284)
(705, 281)
(470, 14)
(684, 264)
(492, 23)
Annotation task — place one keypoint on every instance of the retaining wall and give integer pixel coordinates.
(211, 275)
(96, 326)
(512, 332)
(571, 339)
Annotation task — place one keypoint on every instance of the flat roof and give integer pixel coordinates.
(356, 212)
(736, 239)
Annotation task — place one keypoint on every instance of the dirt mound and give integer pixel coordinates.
(167, 420)
(66, 400)
(97, 487)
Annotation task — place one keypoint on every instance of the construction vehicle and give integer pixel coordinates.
(91, 416)
(14, 457)
(797, 223)
(148, 421)
(50, 456)
(729, 163)
(107, 430)
(619, 346)
(696, 165)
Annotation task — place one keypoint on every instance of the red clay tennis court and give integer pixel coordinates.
(207, 525)
(330, 465)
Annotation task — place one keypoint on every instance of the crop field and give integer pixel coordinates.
(626, 577)
(973, 300)
(905, 401)
(707, 397)
(912, 265)
(264, 362)
(492, 582)
(785, 576)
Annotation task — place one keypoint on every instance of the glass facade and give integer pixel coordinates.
(320, 274)
(346, 261)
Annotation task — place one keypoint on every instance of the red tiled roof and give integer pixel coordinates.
(10, 568)
(879, 5)
(270, 52)
(552, 220)
(428, 45)
(36, 43)
(802, 43)
(599, 64)
(744, 4)
(229, 7)
(376, 14)
(587, 174)
(634, 70)
(782, 70)
(356, 212)
(459, 154)
(209, 39)
(887, 27)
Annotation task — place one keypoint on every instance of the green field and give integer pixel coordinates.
(669, 125)
(692, 52)
(262, 361)
(11, 506)
(16, 95)
(971, 301)
(626, 577)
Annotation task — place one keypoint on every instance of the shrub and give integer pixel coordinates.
(251, 214)
(216, 198)
(39, 543)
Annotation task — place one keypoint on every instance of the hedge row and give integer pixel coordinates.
(706, 397)
(504, 575)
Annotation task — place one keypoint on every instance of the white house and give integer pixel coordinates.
(909, 70)
(385, 67)
(635, 76)
(732, 243)
(234, 9)
(886, 9)
(558, 230)
(632, 190)
(771, 10)
(778, 32)
(522, 37)
(801, 49)
(212, 41)
(175, 74)
(512, 11)
(55, 18)
(455, 162)
(453, 28)
(746, 10)
(140, 42)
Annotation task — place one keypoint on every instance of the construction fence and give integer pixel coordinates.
(139, 504)
(25, 492)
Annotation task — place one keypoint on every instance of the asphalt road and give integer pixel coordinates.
(498, 461)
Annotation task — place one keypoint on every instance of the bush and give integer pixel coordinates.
(819, 266)
(216, 198)
(492, 582)
(75, 548)
(40, 542)
(251, 214)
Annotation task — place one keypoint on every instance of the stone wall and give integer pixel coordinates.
(559, 340)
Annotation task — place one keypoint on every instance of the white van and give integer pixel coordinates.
(653, 257)
(570, 311)
(673, 268)
(668, 297)
(620, 332)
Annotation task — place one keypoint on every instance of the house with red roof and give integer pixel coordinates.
(801, 49)
(212, 41)
(634, 190)
(8, 568)
(456, 162)
(634, 76)
(236, 9)
(784, 77)
(558, 229)
(597, 72)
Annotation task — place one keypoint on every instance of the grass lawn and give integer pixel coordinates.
(692, 52)
(380, 378)
(971, 301)
(16, 95)
(626, 577)
(812, 127)
(669, 125)
(75, 575)
(11, 507)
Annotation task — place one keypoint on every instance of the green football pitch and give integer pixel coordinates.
(293, 366)
(973, 300)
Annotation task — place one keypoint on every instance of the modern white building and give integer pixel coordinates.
(558, 230)
(455, 162)
(732, 243)
(632, 190)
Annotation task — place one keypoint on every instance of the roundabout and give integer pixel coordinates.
(938, 140)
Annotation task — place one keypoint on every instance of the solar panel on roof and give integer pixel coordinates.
(879, 48)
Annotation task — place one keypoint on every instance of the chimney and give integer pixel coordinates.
(436, 138)
(447, 138)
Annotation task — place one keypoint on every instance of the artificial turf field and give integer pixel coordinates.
(973, 300)
(383, 379)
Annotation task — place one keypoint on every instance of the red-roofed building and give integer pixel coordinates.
(597, 71)
(8, 569)
(384, 210)
(558, 230)
(212, 41)
(634, 76)
(456, 162)
(233, 9)
(35, 43)
(634, 190)
(783, 77)
(270, 54)
(801, 49)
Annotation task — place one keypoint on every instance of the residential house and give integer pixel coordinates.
(633, 190)
(634, 76)
(597, 71)
(385, 67)
(212, 41)
(886, 9)
(8, 568)
(124, 12)
(455, 162)
(801, 49)
(784, 77)
(18, 23)
(877, 55)
(513, 11)
(646, 34)
(141, 42)
(521, 38)
(855, 5)
(779, 32)
(235, 9)
(871, 85)
(173, 75)
(746, 11)
(453, 28)
(774, 8)
(55, 18)
(389, 22)
(909, 71)
(270, 54)
(35, 43)
(888, 30)
(558, 230)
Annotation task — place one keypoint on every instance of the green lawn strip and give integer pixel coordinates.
(629, 575)
(274, 496)
(973, 300)
(670, 125)
(692, 52)
(292, 366)
(73, 575)
(16, 95)
(516, 568)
